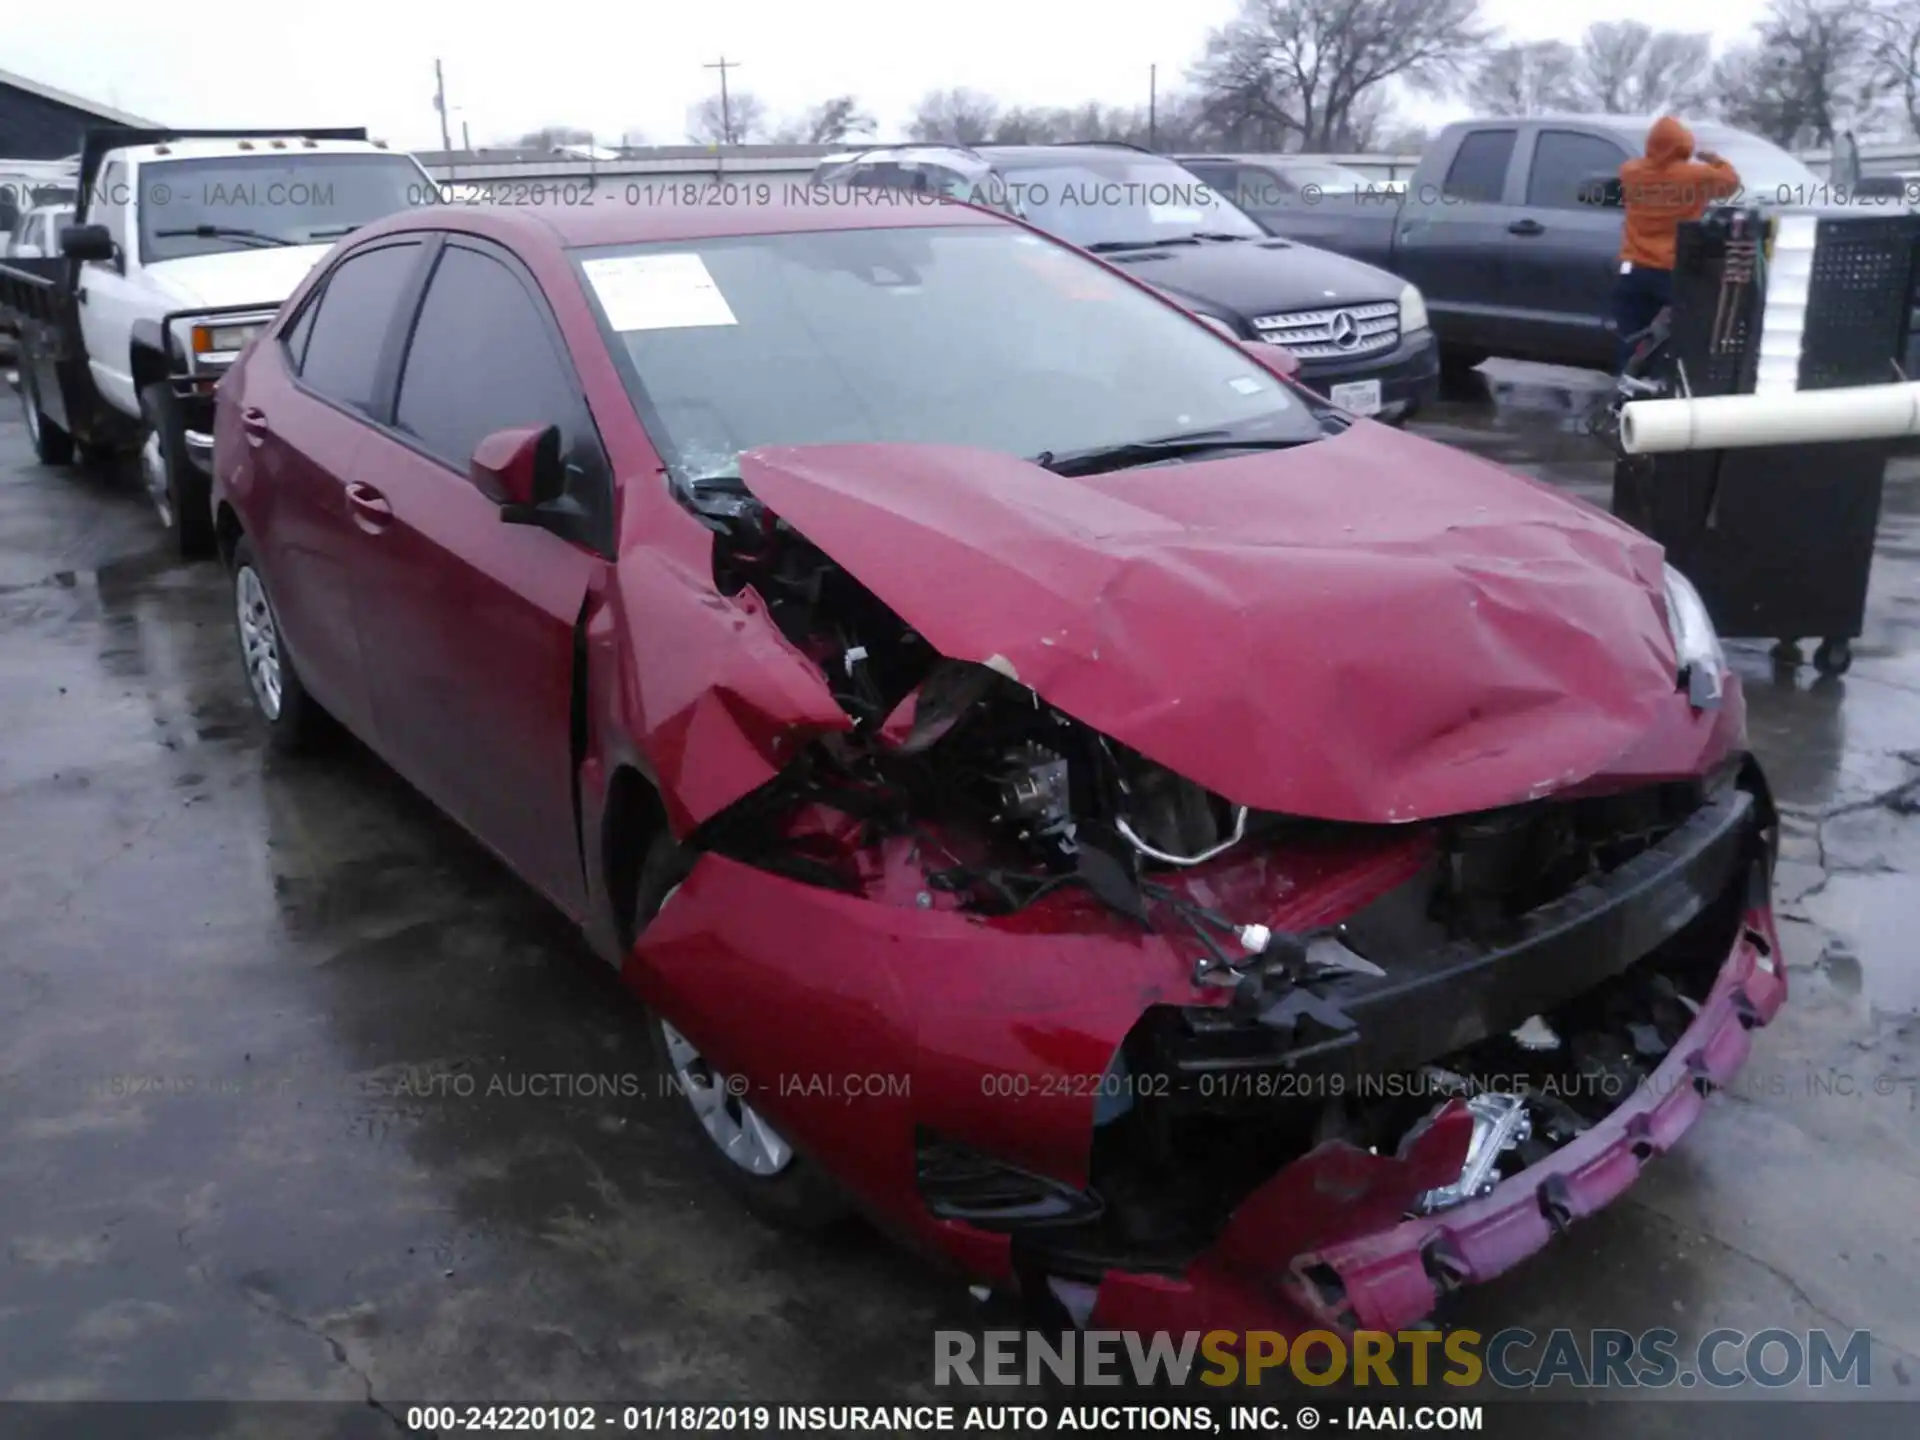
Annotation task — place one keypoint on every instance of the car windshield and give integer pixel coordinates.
(973, 335)
(237, 202)
(1768, 174)
(1109, 201)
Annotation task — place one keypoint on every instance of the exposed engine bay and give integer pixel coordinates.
(1010, 799)
(1533, 964)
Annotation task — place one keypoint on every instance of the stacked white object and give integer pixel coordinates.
(1732, 422)
(1783, 317)
(1778, 412)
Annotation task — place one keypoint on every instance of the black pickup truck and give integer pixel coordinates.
(1510, 228)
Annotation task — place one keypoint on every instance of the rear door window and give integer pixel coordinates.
(1479, 169)
(1563, 161)
(349, 328)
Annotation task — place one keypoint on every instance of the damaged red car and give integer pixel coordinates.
(1168, 846)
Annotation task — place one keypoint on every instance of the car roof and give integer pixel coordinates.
(1091, 153)
(205, 149)
(1269, 157)
(612, 221)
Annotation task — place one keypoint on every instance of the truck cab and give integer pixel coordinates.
(183, 246)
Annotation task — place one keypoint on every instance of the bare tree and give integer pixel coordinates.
(1033, 125)
(1895, 32)
(956, 117)
(1405, 140)
(741, 120)
(1627, 68)
(552, 137)
(1367, 119)
(835, 121)
(1809, 74)
(1527, 78)
(1296, 67)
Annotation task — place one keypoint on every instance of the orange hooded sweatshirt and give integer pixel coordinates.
(1664, 188)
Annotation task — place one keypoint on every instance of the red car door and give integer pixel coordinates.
(305, 417)
(466, 623)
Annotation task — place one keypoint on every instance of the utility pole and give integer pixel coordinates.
(466, 138)
(726, 106)
(440, 104)
(1153, 107)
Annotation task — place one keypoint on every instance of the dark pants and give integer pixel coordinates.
(1638, 295)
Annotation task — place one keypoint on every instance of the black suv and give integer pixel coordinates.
(1361, 334)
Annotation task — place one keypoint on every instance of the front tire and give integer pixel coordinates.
(51, 444)
(181, 493)
(295, 721)
(740, 1146)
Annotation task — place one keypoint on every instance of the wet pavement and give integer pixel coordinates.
(302, 1095)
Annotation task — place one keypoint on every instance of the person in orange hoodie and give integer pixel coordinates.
(1668, 185)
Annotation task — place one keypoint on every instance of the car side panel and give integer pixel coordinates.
(299, 457)
(468, 629)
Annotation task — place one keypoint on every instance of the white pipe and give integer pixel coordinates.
(1727, 422)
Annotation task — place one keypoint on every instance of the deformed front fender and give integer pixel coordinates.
(856, 1022)
(710, 689)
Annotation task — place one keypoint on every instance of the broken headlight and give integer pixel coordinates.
(1695, 641)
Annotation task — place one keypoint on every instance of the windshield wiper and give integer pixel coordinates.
(222, 232)
(1099, 459)
(1110, 247)
(1218, 235)
(333, 232)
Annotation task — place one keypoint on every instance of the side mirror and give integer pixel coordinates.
(86, 242)
(1602, 191)
(519, 469)
(1274, 358)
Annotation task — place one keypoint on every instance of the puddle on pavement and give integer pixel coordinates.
(1877, 961)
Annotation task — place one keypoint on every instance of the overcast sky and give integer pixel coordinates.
(614, 65)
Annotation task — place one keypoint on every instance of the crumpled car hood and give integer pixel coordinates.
(1370, 628)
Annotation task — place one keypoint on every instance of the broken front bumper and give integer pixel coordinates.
(1001, 1035)
(1393, 1277)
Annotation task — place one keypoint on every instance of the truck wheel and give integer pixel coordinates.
(180, 492)
(51, 444)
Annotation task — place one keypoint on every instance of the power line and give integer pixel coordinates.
(726, 107)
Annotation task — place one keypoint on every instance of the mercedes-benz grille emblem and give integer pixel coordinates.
(1344, 329)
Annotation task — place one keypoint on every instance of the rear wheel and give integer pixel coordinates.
(181, 493)
(51, 444)
(294, 718)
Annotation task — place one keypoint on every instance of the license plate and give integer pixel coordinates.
(1362, 397)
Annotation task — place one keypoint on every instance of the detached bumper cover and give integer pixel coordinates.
(1393, 1277)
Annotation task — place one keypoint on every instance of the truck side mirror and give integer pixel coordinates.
(1603, 191)
(86, 242)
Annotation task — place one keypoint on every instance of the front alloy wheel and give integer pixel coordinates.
(740, 1132)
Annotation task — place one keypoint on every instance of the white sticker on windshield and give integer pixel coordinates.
(1246, 384)
(1174, 215)
(658, 292)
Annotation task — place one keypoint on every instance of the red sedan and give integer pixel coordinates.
(1171, 847)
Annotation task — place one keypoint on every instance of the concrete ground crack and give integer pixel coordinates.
(1794, 1287)
(339, 1351)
